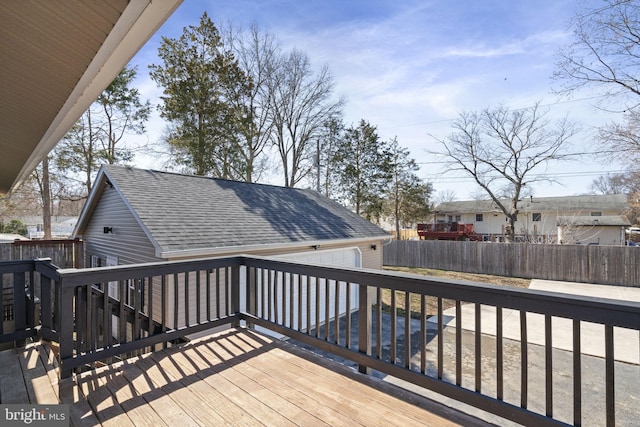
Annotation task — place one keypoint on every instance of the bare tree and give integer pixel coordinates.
(605, 56)
(301, 102)
(500, 148)
(609, 184)
(257, 53)
(445, 196)
(627, 183)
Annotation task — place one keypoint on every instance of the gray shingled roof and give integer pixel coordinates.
(608, 220)
(185, 212)
(541, 204)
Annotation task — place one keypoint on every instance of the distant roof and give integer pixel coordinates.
(187, 213)
(586, 220)
(577, 204)
(10, 237)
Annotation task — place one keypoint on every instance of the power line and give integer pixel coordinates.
(463, 179)
(513, 109)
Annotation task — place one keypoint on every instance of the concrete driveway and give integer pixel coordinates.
(626, 342)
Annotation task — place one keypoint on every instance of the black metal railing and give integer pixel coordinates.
(386, 323)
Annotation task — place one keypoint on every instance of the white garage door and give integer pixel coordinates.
(349, 257)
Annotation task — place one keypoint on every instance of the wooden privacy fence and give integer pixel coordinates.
(607, 265)
(63, 253)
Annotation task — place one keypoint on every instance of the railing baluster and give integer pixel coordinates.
(19, 299)
(440, 340)
(218, 295)
(379, 323)
(284, 297)
(106, 316)
(227, 292)
(548, 356)
(327, 312)
(609, 376)
(175, 301)
(80, 313)
(164, 307)
(364, 325)
(524, 360)
(150, 301)
(198, 297)
(347, 333)
(137, 294)
(46, 315)
(90, 319)
(577, 374)
(423, 334)
(499, 356)
(308, 282)
(394, 320)
(478, 347)
(263, 293)
(292, 300)
(276, 307)
(407, 330)
(458, 343)
(317, 303)
(208, 293)
(186, 299)
(269, 296)
(122, 317)
(300, 301)
(336, 311)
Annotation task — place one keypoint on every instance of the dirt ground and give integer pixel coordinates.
(431, 303)
(483, 278)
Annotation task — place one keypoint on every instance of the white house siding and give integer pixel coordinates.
(591, 235)
(493, 222)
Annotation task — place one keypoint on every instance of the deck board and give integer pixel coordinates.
(236, 377)
(12, 384)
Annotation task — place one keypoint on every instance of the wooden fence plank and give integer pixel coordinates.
(607, 265)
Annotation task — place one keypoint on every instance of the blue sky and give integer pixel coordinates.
(410, 67)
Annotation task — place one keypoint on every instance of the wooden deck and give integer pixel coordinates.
(237, 377)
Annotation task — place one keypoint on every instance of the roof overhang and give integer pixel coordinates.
(58, 56)
(253, 249)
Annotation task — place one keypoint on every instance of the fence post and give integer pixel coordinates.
(364, 325)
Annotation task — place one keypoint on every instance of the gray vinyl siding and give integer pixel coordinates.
(128, 242)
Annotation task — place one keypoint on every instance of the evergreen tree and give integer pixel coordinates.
(202, 83)
(363, 164)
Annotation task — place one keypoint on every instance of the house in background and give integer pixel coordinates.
(135, 216)
(61, 226)
(538, 217)
(592, 230)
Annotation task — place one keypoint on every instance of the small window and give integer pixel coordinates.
(536, 216)
(458, 218)
(596, 213)
(479, 218)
